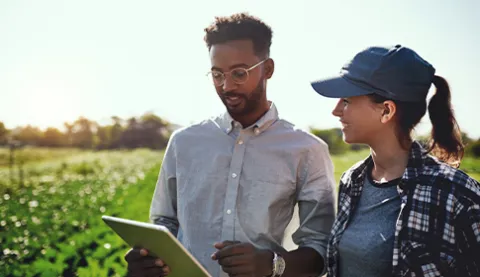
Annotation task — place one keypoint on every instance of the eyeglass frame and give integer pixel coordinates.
(247, 70)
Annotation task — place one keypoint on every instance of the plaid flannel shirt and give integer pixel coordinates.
(438, 229)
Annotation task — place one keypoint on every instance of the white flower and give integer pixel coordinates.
(33, 204)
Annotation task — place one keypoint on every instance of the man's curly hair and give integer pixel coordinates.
(237, 27)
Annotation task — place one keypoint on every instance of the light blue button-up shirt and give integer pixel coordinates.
(220, 181)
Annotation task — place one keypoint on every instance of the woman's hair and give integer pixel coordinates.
(446, 139)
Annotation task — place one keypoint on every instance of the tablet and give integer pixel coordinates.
(160, 242)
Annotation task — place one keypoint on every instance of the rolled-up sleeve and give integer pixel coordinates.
(163, 209)
(316, 200)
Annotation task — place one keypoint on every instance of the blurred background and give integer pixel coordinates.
(90, 92)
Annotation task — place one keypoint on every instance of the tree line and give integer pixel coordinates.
(148, 131)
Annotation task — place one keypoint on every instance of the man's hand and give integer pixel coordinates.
(243, 259)
(140, 263)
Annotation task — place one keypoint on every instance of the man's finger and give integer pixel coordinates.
(233, 250)
(143, 252)
(135, 254)
(227, 250)
(223, 244)
(166, 270)
(234, 261)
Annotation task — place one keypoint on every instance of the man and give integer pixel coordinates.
(232, 182)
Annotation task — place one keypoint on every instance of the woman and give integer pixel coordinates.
(404, 210)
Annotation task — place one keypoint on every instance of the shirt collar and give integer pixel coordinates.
(415, 165)
(227, 123)
(416, 161)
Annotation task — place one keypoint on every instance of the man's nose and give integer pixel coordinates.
(229, 84)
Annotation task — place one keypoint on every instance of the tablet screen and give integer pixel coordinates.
(160, 242)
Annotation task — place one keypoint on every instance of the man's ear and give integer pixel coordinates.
(388, 111)
(269, 68)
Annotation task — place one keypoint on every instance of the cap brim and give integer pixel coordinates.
(338, 87)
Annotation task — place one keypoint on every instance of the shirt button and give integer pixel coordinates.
(240, 142)
(234, 175)
(229, 211)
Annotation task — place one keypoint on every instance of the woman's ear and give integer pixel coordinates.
(389, 109)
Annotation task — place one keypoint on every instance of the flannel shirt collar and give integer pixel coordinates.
(416, 161)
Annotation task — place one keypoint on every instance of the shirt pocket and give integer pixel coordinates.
(267, 201)
(268, 193)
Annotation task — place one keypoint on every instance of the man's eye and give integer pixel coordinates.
(216, 74)
(239, 73)
(345, 102)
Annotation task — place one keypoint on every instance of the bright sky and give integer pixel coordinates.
(63, 59)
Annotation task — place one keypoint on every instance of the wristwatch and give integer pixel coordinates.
(278, 265)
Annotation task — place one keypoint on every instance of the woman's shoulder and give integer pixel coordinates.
(443, 177)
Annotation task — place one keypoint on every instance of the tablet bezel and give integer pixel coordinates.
(140, 225)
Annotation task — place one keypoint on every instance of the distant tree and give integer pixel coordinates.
(3, 134)
(28, 135)
(68, 134)
(52, 137)
(131, 135)
(466, 139)
(115, 132)
(473, 149)
(155, 131)
(333, 137)
(104, 137)
(149, 131)
(83, 133)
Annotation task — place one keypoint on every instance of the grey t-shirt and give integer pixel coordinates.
(366, 246)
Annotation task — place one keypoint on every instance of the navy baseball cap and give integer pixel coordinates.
(396, 73)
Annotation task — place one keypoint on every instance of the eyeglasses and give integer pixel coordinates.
(239, 75)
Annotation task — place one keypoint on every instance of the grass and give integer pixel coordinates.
(35, 154)
(345, 161)
(472, 167)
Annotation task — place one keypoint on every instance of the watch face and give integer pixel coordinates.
(281, 265)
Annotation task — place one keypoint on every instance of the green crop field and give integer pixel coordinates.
(29, 154)
(50, 224)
